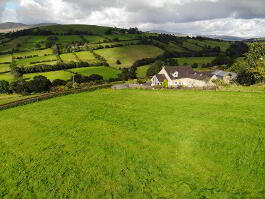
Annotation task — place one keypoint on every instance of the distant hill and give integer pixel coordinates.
(11, 26)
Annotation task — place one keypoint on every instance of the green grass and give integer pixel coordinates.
(123, 36)
(94, 38)
(29, 61)
(192, 46)
(224, 45)
(50, 75)
(4, 98)
(7, 77)
(4, 67)
(86, 56)
(142, 71)
(135, 144)
(129, 54)
(191, 60)
(5, 58)
(31, 42)
(36, 52)
(68, 39)
(106, 72)
(68, 57)
(9, 46)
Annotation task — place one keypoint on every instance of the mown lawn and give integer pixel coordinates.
(129, 54)
(106, 72)
(135, 144)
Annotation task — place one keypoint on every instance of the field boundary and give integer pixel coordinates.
(50, 96)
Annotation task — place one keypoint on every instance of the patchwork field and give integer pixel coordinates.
(37, 60)
(51, 75)
(69, 57)
(32, 53)
(106, 72)
(5, 58)
(86, 56)
(129, 54)
(103, 145)
(6, 76)
(4, 67)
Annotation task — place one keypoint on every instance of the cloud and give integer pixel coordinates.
(238, 17)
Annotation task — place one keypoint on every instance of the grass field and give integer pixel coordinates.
(192, 46)
(35, 52)
(106, 72)
(191, 60)
(68, 39)
(30, 61)
(86, 56)
(142, 71)
(129, 54)
(4, 98)
(51, 75)
(4, 67)
(5, 58)
(13, 44)
(68, 57)
(135, 144)
(94, 38)
(7, 76)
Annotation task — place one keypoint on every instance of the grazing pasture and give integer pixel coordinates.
(35, 60)
(142, 71)
(51, 75)
(68, 39)
(5, 58)
(192, 60)
(4, 67)
(6, 76)
(94, 38)
(68, 57)
(106, 72)
(129, 54)
(135, 144)
(86, 56)
(35, 52)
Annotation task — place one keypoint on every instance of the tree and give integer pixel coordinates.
(250, 70)
(155, 68)
(118, 62)
(39, 84)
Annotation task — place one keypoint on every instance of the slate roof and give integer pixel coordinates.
(222, 74)
(186, 72)
(161, 77)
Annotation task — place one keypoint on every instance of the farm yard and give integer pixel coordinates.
(197, 144)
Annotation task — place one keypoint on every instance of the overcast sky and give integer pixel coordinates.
(245, 18)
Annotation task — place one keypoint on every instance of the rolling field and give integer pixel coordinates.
(135, 144)
(142, 71)
(94, 38)
(69, 57)
(13, 44)
(199, 60)
(4, 98)
(32, 53)
(6, 76)
(34, 60)
(106, 72)
(86, 56)
(4, 67)
(129, 54)
(5, 58)
(68, 39)
(51, 75)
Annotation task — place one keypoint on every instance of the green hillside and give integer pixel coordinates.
(127, 144)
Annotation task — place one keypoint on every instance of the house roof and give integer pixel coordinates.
(222, 74)
(161, 77)
(186, 72)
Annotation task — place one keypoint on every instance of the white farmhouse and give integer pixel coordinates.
(181, 76)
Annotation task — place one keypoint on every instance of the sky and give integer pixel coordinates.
(243, 18)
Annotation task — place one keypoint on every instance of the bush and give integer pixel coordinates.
(118, 62)
(195, 65)
(58, 82)
(39, 84)
(4, 86)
